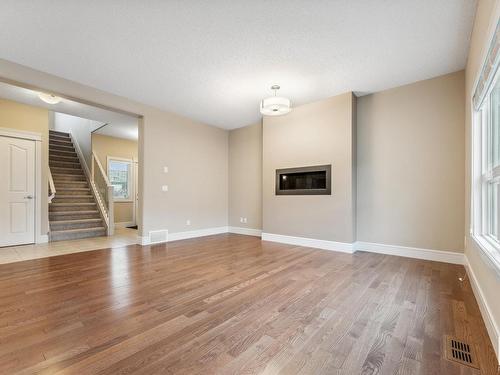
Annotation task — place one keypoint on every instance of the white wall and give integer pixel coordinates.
(81, 130)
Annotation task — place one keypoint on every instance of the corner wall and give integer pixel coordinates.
(245, 176)
(410, 165)
(487, 279)
(312, 134)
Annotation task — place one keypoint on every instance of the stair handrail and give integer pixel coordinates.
(100, 201)
(109, 192)
(52, 187)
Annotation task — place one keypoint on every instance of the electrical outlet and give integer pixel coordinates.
(188, 222)
(165, 169)
(244, 219)
(164, 188)
(241, 220)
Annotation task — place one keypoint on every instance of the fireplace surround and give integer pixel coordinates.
(311, 180)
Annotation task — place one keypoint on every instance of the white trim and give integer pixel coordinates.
(343, 247)
(23, 134)
(43, 238)
(145, 240)
(245, 231)
(124, 224)
(488, 253)
(196, 233)
(411, 252)
(486, 47)
(39, 237)
(487, 314)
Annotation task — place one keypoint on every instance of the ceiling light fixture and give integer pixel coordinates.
(49, 98)
(275, 105)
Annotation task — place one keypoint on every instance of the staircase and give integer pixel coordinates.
(73, 212)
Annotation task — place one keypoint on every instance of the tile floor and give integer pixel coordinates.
(122, 237)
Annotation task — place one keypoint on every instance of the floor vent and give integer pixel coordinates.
(460, 352)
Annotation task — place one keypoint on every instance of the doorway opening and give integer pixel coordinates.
(88, 168)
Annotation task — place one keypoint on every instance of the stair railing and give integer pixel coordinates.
(100, 181)
(52, 187)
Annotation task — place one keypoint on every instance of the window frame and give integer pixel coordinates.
(131, 181)
(482, 174)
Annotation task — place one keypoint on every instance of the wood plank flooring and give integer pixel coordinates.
(231, 304)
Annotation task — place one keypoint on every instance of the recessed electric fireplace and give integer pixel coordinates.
(314, 180)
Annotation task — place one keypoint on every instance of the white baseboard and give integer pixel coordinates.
(489, 320)
(42, 238)
(245, 231)
(411, 252)
(343, 247)
(145, 240)
(196, 233)
(124, 224)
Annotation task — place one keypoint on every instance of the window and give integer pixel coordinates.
(120, 177)
(486, 172)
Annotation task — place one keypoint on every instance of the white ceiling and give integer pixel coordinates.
(119, 125)
(127, 130)
(214, 60)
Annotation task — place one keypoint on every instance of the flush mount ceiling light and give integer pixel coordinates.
(49, 98)
(275, 105)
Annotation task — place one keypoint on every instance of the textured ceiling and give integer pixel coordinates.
(69, 107)
(214, 60)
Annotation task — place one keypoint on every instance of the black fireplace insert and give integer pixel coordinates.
(314, 180)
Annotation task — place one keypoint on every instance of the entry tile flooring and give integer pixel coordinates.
(122, 237)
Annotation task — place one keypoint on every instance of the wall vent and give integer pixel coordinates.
(461, 352)
(158, 236)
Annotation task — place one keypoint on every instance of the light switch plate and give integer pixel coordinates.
(165, 169)
(164, 188)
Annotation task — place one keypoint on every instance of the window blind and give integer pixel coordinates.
(489, 70)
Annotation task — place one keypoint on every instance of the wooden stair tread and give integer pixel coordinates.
(75, 221)
(68, 213)
(74, 213)
(60, 196)
(74, 204)
(78, 230)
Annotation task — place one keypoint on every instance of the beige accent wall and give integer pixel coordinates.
(24, 117)
(410, 165)
(312, 134)
(487, 14)
(245, 176)
(105, 146)
(195, 153)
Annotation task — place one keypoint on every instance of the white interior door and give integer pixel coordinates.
(17, 191)
(136, 190)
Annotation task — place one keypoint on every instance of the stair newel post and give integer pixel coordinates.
(111, 215)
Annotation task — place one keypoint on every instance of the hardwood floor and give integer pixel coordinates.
(231, 304)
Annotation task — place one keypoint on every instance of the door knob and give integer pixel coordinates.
(28, 197)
